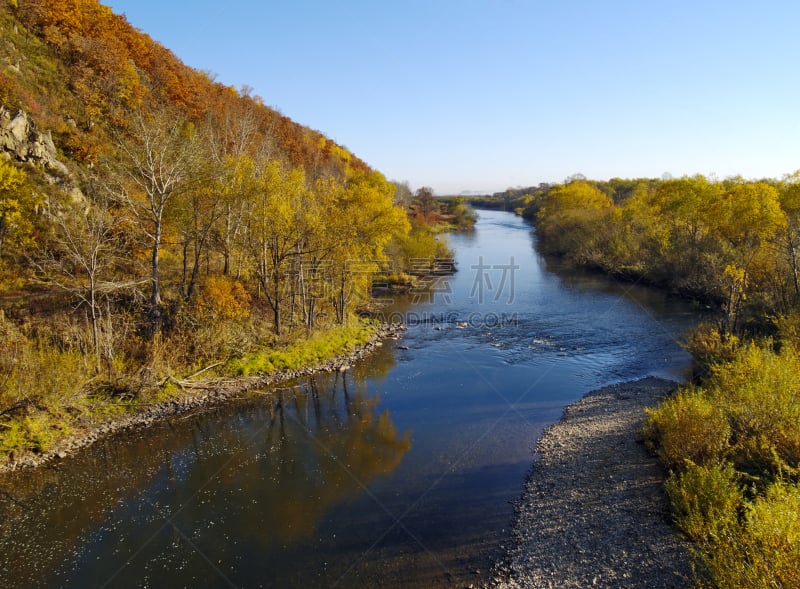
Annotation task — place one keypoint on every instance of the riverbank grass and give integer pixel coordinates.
(71, 399)
(310, 350)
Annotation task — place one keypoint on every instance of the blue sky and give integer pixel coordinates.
(487, 94)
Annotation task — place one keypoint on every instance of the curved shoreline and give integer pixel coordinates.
(198, 394)
(593, 512)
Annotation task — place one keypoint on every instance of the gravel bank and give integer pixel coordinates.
(593, 512)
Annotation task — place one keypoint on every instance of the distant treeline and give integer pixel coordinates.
(733, 242)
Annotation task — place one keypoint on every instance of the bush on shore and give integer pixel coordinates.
(733, 448)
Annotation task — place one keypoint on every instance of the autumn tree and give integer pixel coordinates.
(196, 216)
(321, 241)
(238, 127)
(572, 218)
(789, 240)
(237, 186)
(402, 194)
(274, 234)
(160, 162)
(82, 256)
(675, 225)
(237, 137)
(363, 220)
(425, 202)
(16, 206)
(753, 218)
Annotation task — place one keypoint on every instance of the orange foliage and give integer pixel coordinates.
(114, 68)
(223, 298)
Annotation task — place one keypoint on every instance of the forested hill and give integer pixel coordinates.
(155, 224)
(182, 172)
(80, 70)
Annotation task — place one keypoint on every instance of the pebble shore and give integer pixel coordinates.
(199, 394)
(594, 513)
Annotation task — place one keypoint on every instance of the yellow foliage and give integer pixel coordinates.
(789, 329)
(753, 215)
(740, 427)
(760, 392)
(573, 219)
(14, 203)
(420, 249)
(748, 411)
(772, 538)
(708, 345)
(705, 500)
(763, 550)
(688, 426)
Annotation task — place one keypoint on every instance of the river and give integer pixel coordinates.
(399, 473)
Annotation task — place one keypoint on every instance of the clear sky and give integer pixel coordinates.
(487, 94)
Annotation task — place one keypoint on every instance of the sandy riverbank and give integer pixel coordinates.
(197, 394)
(593, 512)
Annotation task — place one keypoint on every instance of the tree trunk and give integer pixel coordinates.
(276, 307)
(185, 270)
(155, 295)
(95, 319)
(792, 247)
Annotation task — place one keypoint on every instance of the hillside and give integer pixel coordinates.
(156, 224)
(79, 70)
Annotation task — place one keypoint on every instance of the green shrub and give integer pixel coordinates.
(709, 346)
(36, 432)
(418, 250)
(747, 413)
(760, 393)
(763, 550)
(772, 539)
(788, 326)
(318, 348)
(41, 375)
(705, 500)
(37, 393)
(39, 385)
(687, 426)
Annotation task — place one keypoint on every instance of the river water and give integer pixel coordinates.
(399, 473)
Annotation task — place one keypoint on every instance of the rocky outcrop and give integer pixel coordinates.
(22, 141)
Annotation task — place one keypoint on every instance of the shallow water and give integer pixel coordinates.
(399, 473)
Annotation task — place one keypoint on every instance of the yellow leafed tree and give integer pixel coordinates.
(16, 206)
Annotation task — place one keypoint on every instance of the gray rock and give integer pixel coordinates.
(20, 139)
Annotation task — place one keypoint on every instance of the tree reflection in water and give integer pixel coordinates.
(324, 444)
(238, 481)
